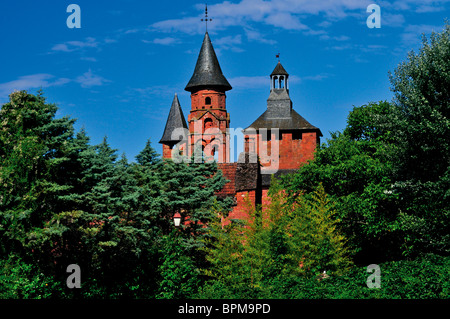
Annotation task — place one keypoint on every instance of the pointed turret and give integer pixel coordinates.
(279, 113)
(174, 120)
(207, 72)
(279, 70)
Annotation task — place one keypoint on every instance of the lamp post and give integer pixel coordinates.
(177, 219)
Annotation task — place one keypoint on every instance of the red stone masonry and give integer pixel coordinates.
(209, 121)
(229, 172)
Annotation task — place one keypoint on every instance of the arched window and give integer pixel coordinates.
(215, 152)
(208, 123)
(207, 100)
(281, 82)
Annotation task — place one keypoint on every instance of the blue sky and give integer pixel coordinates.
(118, 73)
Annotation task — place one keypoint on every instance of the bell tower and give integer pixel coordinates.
(208, 119)
(281, 137)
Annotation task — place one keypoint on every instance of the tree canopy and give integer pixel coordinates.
(375, 193)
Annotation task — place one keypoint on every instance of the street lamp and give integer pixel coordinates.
(177, 219)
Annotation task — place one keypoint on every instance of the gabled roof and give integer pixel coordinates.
(174, 120)
(207, 72)
(294, 122)
(279, 70)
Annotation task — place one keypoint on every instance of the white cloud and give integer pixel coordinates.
(189, 25)
(45, 80)
(130, 31)
(285, 20)
(150, 92)
(317, 77)
(229, 43)
(325, 24)
(249, 82)
(373, 48)
(33, 81)
(419, 6)
(109, 40)
(427, 8)
(89, 79)
(335, 38)
(392, 19)
(70, 46)
(254, 35)
(88, 58)
(61, 47)
(282, 14)
(413, 33)
(253, 82)
(163, 41)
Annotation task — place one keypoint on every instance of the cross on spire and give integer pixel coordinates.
(206, 17)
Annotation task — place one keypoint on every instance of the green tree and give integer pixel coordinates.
(355, 168)
(265, 256)
(301, 236)
(227, 268)
(179, 274)
(190, 189)
(148, 156)
(34, 149)
(421, 162)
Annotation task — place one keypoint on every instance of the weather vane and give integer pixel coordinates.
(206, 17)
(278, 56)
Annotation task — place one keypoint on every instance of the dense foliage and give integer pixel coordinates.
(423, 278)
(388, 171)
(277, 245)
(64, 201)
(375, 193)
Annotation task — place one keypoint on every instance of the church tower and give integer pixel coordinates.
(208, 119)
(281, 137)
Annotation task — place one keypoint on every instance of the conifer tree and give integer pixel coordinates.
(34, 148)
(148, 156)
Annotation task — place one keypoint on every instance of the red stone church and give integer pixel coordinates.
(278, 142)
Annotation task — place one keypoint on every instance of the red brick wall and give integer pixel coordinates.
(265, 200)
(291, 153)
(229, 171)
(167, 151)
(217, 100)
(240, 211)
(219, 119)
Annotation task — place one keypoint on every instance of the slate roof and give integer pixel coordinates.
(279, 70)
(294, 122)
(174, 120)
(207, 72)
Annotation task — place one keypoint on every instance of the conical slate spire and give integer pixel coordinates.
(207, 72)
(174, 120)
